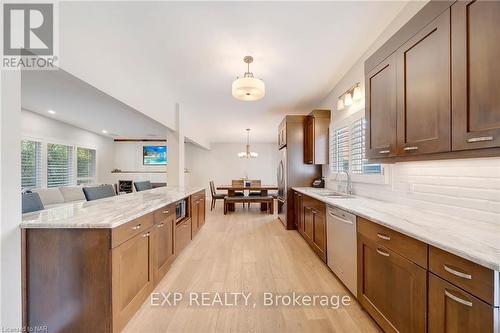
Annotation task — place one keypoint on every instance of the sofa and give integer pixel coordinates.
(57, 196)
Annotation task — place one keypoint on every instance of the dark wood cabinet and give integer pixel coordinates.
(452, 309)
(432, 89)
(316, 137)
(423, 90)
(163, 240)
(197, 212)
(475, 31)
(380, 110)
(132, 277)
(391, 288)
(311, 216)
(182, 235)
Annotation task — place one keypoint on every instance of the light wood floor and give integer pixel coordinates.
(249, 251)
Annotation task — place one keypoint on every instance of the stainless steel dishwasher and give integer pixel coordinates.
(342, 246)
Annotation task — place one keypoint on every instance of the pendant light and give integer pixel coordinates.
(247, 153)
(248, 88)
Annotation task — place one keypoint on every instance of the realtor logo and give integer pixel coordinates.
(29, 36)
(28, 29)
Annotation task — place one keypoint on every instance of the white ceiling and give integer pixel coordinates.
(80, 104)
(149, 54)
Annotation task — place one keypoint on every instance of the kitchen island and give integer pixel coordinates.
(88, 266)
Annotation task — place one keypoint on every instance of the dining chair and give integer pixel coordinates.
(241, 183)
(255, 182)
(99, 192)
(215, 195)
(31, 202)
(142, 186)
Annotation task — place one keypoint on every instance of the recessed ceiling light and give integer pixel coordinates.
(51, 112)
(104, 131)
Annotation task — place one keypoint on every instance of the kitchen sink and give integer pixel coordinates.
(333, 195)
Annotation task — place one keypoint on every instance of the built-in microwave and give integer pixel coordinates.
(180, 210)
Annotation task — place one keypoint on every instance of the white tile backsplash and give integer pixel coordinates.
(467, 188)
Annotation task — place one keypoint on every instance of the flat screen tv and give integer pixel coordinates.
(154, 155)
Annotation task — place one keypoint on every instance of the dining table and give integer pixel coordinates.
(232, 189)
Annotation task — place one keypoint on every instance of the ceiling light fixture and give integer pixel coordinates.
(248, 88)
(247, 153)
(350, 96)
(104, 131)
(51, 112)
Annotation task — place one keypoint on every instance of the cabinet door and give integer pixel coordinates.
(424, 100)
(194, 216)
(380, 110)
(201, 212)
(309, 140)
(298, 210)
(319, 234)
(163, 238)
(476, 74)
(308, 223)
(132, 277)
(391, 288)
(453, 310)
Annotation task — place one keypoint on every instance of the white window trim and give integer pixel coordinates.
(45, 141)
(382, 178)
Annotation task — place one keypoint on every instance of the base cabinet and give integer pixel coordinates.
(163, 246)
(132, 277)
(453, 310)
(391, 288)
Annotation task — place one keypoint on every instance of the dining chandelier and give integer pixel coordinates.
(247, 153)
(248, 88)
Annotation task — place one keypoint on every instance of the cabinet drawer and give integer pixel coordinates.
(405, 246)
(130, 229)
(474, 278)
(163, 213)
(182, 235)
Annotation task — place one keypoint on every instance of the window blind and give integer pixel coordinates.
(359, 163)
(31, 164)
(339, 148)
(59, 165)
(85, 165)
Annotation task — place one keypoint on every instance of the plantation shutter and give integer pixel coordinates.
(85, 165)
(339, 148)
(31, 164)
(59, 165)
(359, 164)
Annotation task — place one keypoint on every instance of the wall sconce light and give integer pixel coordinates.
(349, 97)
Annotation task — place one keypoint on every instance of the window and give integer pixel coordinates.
(347, 150)
(31, 164)
(85, 165)
(59, 165)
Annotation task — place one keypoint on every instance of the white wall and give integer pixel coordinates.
(10, 200)
(221, 164)
(468, 188)
(127, 156)
(36, 126)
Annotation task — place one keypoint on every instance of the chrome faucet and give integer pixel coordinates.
(348, 185)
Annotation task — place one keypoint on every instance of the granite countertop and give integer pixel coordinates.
(108, 212)
(476, 241)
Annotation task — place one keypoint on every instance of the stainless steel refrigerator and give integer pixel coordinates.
(292, 171)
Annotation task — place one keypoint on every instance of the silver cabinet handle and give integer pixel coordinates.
(384, 237)
(480, 139)
(410, 148)
(146, 234)
(160, 225)
(137, 227)
(382, 253)
(165, 212)
(457, 299)
(384, 152)
(457, 273)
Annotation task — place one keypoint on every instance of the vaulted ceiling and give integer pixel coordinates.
(151, 55)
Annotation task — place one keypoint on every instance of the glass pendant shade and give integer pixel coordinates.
(348, 99)
(248, 89)
(357, 95)
(340, 104)
(247, 153)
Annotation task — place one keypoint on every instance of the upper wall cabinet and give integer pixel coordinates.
(475, 31)
(423, 83)
(433, 89)
(316, 131)
(381, 109)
